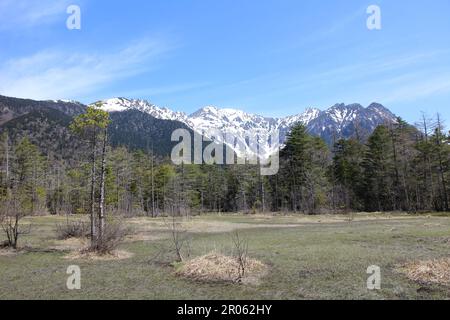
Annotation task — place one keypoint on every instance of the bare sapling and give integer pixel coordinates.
(241, 254)
(113, 234)
(179, 238)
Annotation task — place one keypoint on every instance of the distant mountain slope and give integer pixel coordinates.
(138, 130)
(11, 108)
(46, 124)
(47, 128)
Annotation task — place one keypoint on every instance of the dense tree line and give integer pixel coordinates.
(398, 168)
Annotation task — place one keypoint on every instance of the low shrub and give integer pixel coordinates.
(113, 234)
(72, 229)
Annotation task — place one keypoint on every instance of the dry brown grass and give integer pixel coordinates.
(93, 256)
(144, 237)
(79, 250)
(216, 267)
(431, 271)
(70, 244)
(432, 225)
(143, 226)
(5, 252)
(199, 225)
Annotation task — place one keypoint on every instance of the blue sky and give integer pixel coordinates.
(274, 58)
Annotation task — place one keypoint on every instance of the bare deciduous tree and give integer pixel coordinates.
(10, 222)
(179, 238)
(241, 254)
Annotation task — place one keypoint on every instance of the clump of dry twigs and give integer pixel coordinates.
(435, 271)
(216, 267)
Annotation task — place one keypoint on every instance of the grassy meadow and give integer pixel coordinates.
(308, 257)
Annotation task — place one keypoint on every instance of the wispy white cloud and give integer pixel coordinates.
(19, 14)
(369, 70)
(342, 23)
(418, 88)
(389, 79)
(163, 90)
(53, 74)
(371, 67)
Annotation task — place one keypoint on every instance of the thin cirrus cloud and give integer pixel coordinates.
(364, 71)
(388, 79)
(20, 14)
(165, 90)
(54, 74)
(423, 88)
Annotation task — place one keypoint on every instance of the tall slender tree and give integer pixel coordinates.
(90, 125)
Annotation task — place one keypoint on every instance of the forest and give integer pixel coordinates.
(400, 167)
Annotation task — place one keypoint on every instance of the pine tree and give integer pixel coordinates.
(92, 125)
(347, 172)
(304, 166)
(378, 170)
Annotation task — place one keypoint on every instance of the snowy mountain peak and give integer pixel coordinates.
(114, 104)
(65, 101)
(381, 110)
(341, 113)
(123, 104)
(305, 117)
(225, 113)
(205, 111)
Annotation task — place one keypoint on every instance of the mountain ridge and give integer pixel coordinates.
(338, 121)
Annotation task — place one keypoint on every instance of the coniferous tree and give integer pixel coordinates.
(92, 125)
(347, 170)
(378, 170)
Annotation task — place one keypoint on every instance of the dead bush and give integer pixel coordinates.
(113, 234)
(72, 229)
(241, 255)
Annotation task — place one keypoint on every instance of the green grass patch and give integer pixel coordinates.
(318, 258)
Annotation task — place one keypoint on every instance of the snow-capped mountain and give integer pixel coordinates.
(122, 104)
(339, 121)
(236, 129)
(344, 121)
